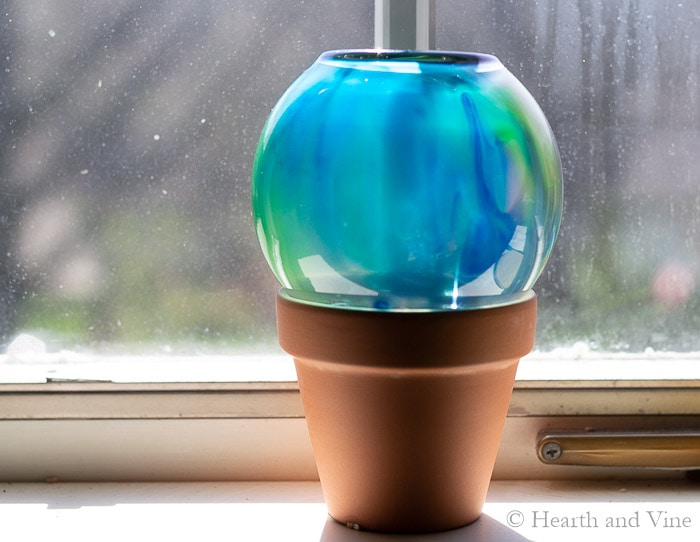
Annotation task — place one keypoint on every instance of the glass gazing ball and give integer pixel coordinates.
(409, 179)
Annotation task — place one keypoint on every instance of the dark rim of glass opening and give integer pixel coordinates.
(431, 57)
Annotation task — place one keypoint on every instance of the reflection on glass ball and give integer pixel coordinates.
(411, 179)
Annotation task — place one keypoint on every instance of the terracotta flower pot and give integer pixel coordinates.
(405, 409)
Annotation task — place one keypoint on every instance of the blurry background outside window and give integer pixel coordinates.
(127, 132)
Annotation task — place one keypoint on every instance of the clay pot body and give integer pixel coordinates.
(405, 410)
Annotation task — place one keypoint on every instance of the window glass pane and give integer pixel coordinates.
(620, 83)
(127, 131)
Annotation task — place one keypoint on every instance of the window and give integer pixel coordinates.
(127, 137)
(619, 84)
(128, 133)
(138, 311)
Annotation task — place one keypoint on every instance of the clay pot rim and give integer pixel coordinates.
(406, 339)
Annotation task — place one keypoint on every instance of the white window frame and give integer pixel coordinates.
(241, 418)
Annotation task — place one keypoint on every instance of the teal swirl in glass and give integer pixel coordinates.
(409, 179)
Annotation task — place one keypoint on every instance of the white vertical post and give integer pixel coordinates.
(404, 24)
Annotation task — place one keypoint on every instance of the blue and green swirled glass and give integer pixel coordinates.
(417, 179)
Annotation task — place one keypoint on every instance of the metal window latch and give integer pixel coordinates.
(659, 450)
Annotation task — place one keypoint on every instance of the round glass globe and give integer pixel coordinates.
(404, 180)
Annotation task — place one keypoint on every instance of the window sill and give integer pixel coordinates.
(240, 418)
(565, 365)
(251, 511)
